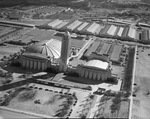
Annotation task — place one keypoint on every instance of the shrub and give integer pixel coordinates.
(27, 95)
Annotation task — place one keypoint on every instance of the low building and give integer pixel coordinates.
(115, 56)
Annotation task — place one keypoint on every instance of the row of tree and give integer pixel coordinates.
(129, 71)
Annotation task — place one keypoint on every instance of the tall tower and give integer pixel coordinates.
(65, 47)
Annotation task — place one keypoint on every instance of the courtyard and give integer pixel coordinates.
(39, 101)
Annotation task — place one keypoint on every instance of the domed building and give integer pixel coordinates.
(95, 69)
(42, 54)
(48, 53)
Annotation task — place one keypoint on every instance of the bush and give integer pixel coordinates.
(16, 64)
(112, 80)
(51, 70)
(116, 103)
(27, 95)
(73, 74)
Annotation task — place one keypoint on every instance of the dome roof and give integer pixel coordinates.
(97, 64)
(51, 48)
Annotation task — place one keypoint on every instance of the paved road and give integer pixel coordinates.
(132, 86)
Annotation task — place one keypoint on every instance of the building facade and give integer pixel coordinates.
(95, 70)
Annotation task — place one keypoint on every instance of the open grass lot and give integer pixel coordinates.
(9, 50)
(40, 102)
(141, 103)
(9, 114)
(104, 109)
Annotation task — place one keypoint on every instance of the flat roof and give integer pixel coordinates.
(93, 28)
(104, 50)
(120, 31)
(62, 24)
(111, 30)
(125, 31)
(132, 32)
(55, 23)
(145, 35)
(92, 48)
(82, 26)
(104, 30)
(116, 53)
(77, 42)
(99, 29)
(74, 25)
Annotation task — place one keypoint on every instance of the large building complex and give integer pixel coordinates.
(60, 49)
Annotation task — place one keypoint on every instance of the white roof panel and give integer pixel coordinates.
(132, 32)
(112, 30)
(82, 26)
(55, 23)
(98, 64)
(120, 31)
(74, 25)
(93, 28)
(62, 24)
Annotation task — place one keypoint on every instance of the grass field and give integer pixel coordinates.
(39, 102)
(7, 50)
(141, 103)
(105, 110)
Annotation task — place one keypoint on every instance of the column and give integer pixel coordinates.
(39, 65)
(35, 64)
(105, 76)
(43, 65)
(27, 63)
(90, 75)
(98, 75)
(82, 72)
(31, 64)
(24, 63)
(79, 70)
(94, 75)
(46, 64)
(86, 74)
(49, 64)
